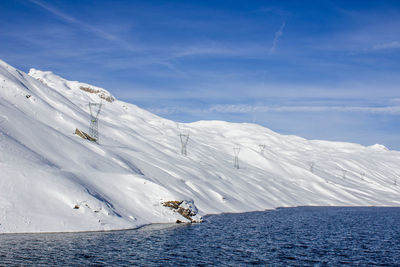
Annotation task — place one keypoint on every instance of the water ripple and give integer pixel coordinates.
(305, 236)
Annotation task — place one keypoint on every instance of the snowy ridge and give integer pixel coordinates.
(53, 180)
(70, 87)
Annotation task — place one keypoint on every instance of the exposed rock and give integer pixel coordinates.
(84, 135)
(185, 208)
(174, 204)
(41, 80)
(101, 93)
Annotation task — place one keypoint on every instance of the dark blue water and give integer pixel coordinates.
(306, 236)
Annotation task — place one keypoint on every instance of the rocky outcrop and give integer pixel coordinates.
(101, 93)
(186, 208)
(84, 135)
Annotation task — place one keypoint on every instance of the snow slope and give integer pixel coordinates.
(46, 170)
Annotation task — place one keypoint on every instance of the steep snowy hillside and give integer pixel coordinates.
(53, 180)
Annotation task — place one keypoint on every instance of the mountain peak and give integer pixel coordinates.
(54, 81)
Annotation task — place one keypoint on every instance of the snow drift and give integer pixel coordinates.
(53, 180)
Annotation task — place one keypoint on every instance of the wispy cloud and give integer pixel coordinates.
(253, 109)
(278, 34)
(160, 54)
(249, 109)
(82, 25)
(390, 45)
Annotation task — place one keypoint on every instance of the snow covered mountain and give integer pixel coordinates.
(52, 180)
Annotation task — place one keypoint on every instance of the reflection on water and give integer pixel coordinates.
(294, 236)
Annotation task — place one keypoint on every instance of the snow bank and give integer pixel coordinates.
(53, 180)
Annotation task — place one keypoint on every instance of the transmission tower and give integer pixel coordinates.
(184, 140)
(236, 151)
(344, 172)
(94, 109)
(312, 166)
(262, 148)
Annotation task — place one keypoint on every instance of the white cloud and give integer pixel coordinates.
(249, 109)
(253, 109)
(278, 34)
(82, 25)
(391, 45)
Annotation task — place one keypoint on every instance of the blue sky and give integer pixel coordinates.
(318, 69)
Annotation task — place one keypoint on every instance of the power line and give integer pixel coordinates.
(236, 151)
(262, 148)
(312, 166)
(184, 140)
(94, 109)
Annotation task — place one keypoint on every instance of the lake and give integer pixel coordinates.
(316, 236)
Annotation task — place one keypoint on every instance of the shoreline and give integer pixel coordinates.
(185, 223)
